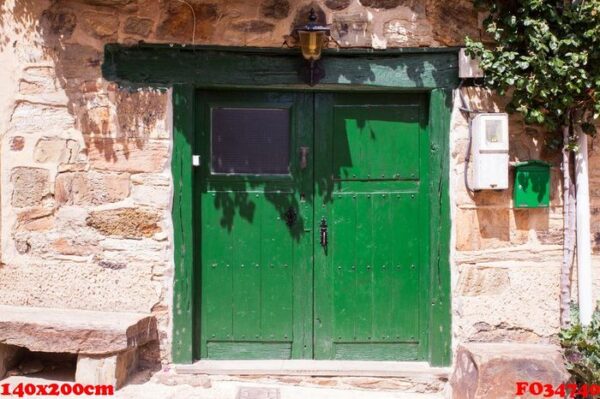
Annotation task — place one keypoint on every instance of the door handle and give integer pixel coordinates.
(324, 233)
(303, 157)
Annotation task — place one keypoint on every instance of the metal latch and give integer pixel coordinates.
(196, 160)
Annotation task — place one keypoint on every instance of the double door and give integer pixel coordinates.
(313, 225)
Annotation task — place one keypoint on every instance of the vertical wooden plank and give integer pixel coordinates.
(383, 281)
(342, 251)
(440, 324)
(277, 282)
(246, 273)
(183, 240)
(216, 265)
(408, 265)
(363, 295)
(323, 189)
(304, 254)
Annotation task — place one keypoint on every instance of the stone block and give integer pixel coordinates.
(109, 370)
(255, 26)
(100, 24)
(74, 331)
(138, 26)
(96, 121)
(30, 186)
(452, 21)
(337, 5)
(59, 21)
(492, 370)
(30, 118)
(125, 222)
(154, 196)
(128, 156)
(35, 219)
(523, 309)
(74, 247)
(108, 3)
(9, 358)
(177, 20)
(81, 188)
(385, 4)
(409, 30)
(55, 150)
(80, 62)
(352, 29)
(482, 280)
(277, 9)
(147, 124)
(151, 179)
(17, 143)
(482, 228)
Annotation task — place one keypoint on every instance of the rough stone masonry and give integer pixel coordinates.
(86, 184)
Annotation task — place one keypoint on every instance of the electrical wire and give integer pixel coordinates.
(193, 19)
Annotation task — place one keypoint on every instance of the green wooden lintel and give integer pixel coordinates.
(164, 65)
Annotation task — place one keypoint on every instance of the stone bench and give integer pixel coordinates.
(106, 343)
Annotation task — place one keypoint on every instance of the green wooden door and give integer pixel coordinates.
(269, 288)
(255, 196)
(371, 178)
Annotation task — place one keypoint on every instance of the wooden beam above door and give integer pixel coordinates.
(212, 67)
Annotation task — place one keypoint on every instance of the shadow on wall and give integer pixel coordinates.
(62, 98)
(109, 117)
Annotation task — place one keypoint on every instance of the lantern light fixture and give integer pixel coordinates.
(312, 37)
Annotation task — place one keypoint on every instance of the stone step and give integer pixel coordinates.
(410, 377)
(236, 389)
(314, 368)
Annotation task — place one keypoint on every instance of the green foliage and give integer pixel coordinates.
(582, 351)
(546, 56)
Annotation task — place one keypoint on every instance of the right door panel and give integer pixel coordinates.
(371, 294)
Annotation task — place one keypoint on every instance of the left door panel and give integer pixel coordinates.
(254, 196)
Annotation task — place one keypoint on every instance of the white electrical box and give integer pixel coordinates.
(468, 68)
(489, 135)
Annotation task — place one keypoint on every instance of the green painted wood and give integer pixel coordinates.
(248, 350)
(372, 188)
(256, 270)
(163, 65)
(383, 351)
(440, 353)
(183, 240)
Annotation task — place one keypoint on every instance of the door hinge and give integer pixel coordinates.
(196, 160)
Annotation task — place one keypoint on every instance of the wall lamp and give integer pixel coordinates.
(312, 37)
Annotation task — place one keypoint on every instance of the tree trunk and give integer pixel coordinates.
(569, 231)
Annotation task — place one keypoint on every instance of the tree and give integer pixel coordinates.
(545, 57)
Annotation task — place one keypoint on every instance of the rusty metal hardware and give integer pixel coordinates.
(303, 157)
(290, 216)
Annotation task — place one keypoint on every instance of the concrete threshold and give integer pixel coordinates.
(316, 368)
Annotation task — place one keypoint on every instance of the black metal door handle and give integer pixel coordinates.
(324, 233)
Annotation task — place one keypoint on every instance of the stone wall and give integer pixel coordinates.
(85, 176)
(507, 260)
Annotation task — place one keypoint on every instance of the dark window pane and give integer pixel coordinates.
(250, 140)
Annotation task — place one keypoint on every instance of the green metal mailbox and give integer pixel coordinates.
(532, 184)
